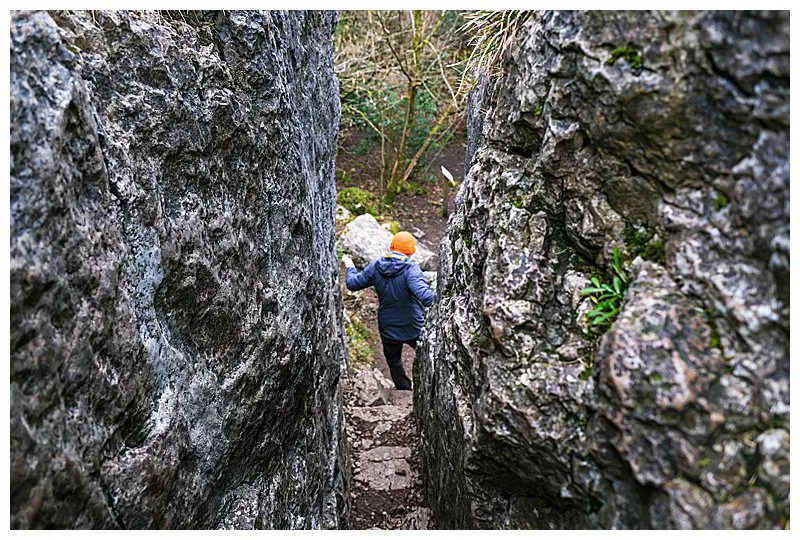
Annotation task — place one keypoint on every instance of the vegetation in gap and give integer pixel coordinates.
(607, 296)
(644, 242)
(358, 201)
(400, 74)
(394, 227)
(630, 54)
(358, 343)
(720, 202)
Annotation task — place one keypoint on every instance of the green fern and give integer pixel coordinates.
(607, 297)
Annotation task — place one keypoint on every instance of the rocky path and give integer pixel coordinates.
(387, 490)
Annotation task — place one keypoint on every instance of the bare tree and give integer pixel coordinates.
(390, 62)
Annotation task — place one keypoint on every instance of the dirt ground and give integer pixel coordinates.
(387, 491)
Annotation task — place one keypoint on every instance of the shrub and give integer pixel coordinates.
(394, 227)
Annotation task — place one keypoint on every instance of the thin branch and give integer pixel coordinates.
(391, 48)
(363, 115)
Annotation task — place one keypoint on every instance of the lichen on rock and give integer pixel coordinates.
(529, 418)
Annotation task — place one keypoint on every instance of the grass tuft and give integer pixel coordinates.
(492, 34)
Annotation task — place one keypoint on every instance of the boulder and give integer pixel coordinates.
(664, 136)
(365, 240)
(176, 321)
(371, 388)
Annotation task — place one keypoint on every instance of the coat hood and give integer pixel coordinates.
(393, 264)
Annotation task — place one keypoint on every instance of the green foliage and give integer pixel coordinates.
(630, 54)
(586, 373)
(344, 177)
(358, 201)
(714, 341)
(642, 242)
(365, 145)
(394, 227)
(635, 239)
(476, 339)
(607, 297)
(361, 109)
(358, 343)
(540, 107)
(720, 202)
(424, 117)
(542, 102)
(516, 202)
(655, 252)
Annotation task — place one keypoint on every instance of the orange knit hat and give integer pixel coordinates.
(403, 242)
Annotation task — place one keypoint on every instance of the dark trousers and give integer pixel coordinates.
(393, 351)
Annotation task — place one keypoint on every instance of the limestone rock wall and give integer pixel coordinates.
(665, 135)
(176, 333)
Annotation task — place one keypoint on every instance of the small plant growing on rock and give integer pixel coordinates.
(630, 55)
(721, 202)
(607, 297)
(476, 339)
(644, 243)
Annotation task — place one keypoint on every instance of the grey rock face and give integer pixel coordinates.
(365, 240)
(678, 415)
(176, 337)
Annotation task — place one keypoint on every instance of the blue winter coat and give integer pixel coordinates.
(402, 291)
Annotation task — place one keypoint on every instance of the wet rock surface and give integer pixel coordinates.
(665, 136)
(176, 331)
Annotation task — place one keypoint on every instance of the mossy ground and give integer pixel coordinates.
(359, 344)
(644, 242)
(358, 201)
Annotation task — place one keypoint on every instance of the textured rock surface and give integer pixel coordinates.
(176, 333)
(365, 240)
(678, 415)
